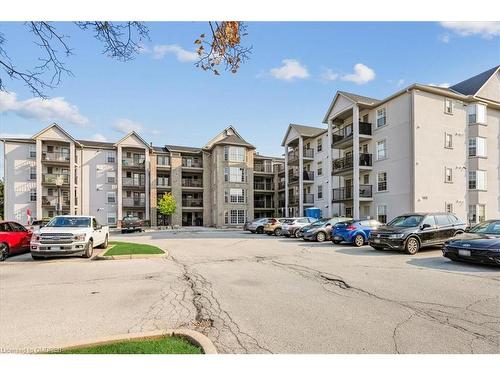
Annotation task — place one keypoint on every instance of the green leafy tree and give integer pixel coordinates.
(167, 205)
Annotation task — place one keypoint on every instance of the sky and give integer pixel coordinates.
(293, 74)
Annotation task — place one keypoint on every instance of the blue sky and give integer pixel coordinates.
(294, 72)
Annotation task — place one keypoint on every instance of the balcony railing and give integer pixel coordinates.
(192, 202)
(281, 185)
(134, 202)
(347, 162)
(263, 185)
(308, 176)
(346, 193)
(294, 155)
(280, 168)
(134, 163)
(308, 198)
(267, 168)
(56, 156)
(281, 203)
(55, 178)
(162, 182)
(365, 128)
(263, 204)
(51, 201)
(133, 182)
(187, 182)
(192, 163)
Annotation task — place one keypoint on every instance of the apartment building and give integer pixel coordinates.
(222, 184)
(424, 148)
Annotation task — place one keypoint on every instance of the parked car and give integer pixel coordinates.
(273, 226)
(480, 244)
(291, 226)
(411, 232)
(69, 235)
(14, 239)
(321, 230)
(257, 225)
(132, 224)
(355, 232)
(37, 224)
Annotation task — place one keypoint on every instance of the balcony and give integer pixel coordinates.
(134, 163)
(55, 179)
(191, 163)
(263, 204)
(51, 201)
(346, 164)
(293, 156)
(134, 202)
(281, 203)
(342, 138)
(260, 185)
(133, 182)
(307, 177)
(263, 168)
(192, 202)
(162, 183)
(281, 185)
(192, 183)
(280, 168)
(346, 193)
(308, 199)
(57, 157)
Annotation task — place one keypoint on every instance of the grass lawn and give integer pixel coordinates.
(165, 345)
(127, 248)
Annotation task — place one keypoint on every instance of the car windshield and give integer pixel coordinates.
(488, 227)
(406, 221)
(319, 223)
(63, 221)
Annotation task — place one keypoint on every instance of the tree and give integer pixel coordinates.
(167, 205)
(122, 41)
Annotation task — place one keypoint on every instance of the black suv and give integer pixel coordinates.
(410, 232)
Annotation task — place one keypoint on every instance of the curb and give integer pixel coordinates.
(194, 337)
(131, 256)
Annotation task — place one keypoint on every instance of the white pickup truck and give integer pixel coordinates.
(69, 235)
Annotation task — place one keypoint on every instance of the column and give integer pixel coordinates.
(301, 177)
(147, 177)
(153, 193)
(355, 155)
(329, 160)
(39, 174)
(176, 181)
(119, 180)
(286, 181)
(72, 177)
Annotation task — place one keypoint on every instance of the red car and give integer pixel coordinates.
(14, 239)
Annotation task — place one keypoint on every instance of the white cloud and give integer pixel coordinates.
(443, 85)
(183, 55)
(445, 38)
(290, 70)
(98, 137)
(464, 28)
(329, 75)
(400, 82)
(54, 109)
(361, 75)
(126, 126)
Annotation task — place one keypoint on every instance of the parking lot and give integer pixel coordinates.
(254, 293)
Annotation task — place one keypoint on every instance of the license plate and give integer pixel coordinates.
(464, 253)
(376, 240)
(55, 248)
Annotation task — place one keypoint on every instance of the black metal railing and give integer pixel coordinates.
(134, 181)
(365, 128)
(308, 176)
(267, 168)
(187, 182)
(281, 185)
(192, 163)
(259, 185)
(192, 202)
(346, 193)
(347, 162)
(263, 204)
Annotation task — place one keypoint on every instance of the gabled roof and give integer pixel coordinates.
(360, 99)
(304, 131)
(96, 144)
(472, 85)
(135, 134)
(54, 125)
(174, 148)
(229, 136)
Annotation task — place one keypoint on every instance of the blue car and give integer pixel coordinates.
(356, 232)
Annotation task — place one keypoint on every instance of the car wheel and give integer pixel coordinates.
(294, 234)
(36, 257)
(89, 249)
(104, 245)
(4, 251)
(359, 240)
(269, 233)
(320, 237)
(260, 230)
(277, 232)
(412, 245)
(336, 242)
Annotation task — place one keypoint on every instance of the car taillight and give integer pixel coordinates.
(351, 227)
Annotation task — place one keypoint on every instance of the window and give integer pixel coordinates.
(477, 147)
(382, 149)
(382, 181)
(448, 106)
(235, 217)
(111, 197)
(366, 179)
(365, 118)
(477, 213)
(442, 220)
(382, 213)
(448, 207)
(348, 211)
(319, 145)
(32, 173)
(234, 174)
(111, 177)
(476, 113)
(234, 195)
(163, 160)
(381, 117)
(477, 180)
(232, 153)
(32, 151)
(111, 218)
(448, 140)
(320, 168)
(320, 192)
(448, 175)
(33, 195)
(110, 157)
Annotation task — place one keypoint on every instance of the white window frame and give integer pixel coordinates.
(448, 106)
(111, 175)
(235, 154)
(32, 152)
(479, 145)
(381, 141)
(33, 195)
(235, 217)
(478, 110)
(448, 140)
(382, 210)
(381, 114)
(319, 145)
(386, 181)
(320, 192)
(111, 215)
(448, 175)
(448, 207)
(235, 174)
(479, 177)
(319, 168)
(111, 155)
(111, 194)
(236, 195)
(32, 175)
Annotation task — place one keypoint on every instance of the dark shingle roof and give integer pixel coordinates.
(183, 148)
(96, 144)
(360, 98)
(472, 85)
(308, 131)
(233, 139)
